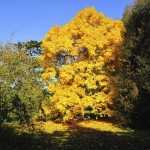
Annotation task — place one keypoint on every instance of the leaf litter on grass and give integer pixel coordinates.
(103, 126)
(87, 134)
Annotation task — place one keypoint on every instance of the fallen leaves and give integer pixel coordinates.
(102, 126)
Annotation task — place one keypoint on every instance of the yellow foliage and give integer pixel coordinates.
(48, 74)
(81, 55)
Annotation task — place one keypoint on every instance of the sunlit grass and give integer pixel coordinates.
(50, 127)
(102, 126)
(87, 134)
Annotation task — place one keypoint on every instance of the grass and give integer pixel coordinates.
(84, 135)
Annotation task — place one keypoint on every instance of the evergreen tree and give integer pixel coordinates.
(136, 66)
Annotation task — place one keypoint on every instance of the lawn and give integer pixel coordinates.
(84, 135)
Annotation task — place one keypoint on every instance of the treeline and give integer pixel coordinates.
(91, 67)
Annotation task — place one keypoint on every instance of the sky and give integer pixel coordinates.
(24, 20)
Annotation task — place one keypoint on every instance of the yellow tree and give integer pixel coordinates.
(79, 59)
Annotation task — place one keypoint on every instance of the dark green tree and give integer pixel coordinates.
(32, 47)
(134, 83)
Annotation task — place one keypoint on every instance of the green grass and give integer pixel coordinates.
(86, 135)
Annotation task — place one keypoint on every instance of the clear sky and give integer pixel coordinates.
(31, 19)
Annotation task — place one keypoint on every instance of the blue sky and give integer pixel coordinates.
(23, 20)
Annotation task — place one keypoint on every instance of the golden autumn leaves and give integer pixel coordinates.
(78, 60)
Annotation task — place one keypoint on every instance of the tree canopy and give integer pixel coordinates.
(32, 47)
(137, 50)
(79, 59)
(20, 86)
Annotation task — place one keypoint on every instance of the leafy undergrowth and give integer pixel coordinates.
(84, 135)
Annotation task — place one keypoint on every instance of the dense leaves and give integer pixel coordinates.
(79, 60)
(136, 67)
(20, 88)
(93, 66)
(32, 48)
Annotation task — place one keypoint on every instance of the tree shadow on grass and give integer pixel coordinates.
(75, 138)
(90, 139)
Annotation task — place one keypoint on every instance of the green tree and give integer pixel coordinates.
(32, 47)
(136, 64)
(21, 92)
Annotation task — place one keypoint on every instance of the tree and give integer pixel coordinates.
(21, 92)
(137, 67)
(32, 47)
(80, 59)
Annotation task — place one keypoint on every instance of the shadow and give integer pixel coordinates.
(75, 138)
(90, 139)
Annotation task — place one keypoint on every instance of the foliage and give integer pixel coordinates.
(80, 59)
(126, 98)
(20, 88)
(136, 67)
(32, 47)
